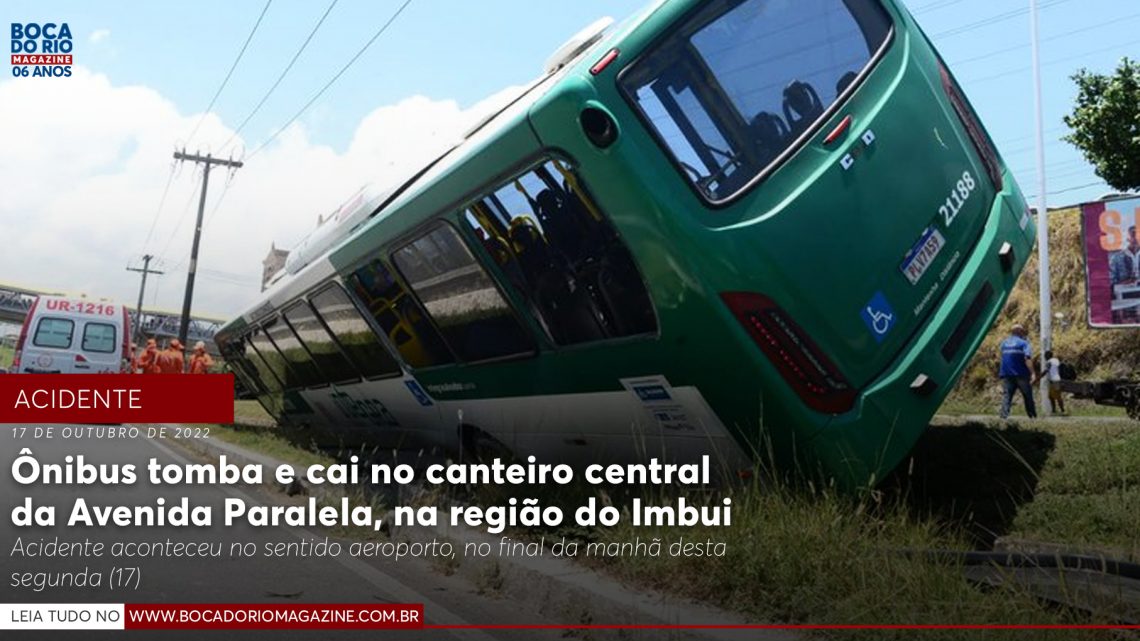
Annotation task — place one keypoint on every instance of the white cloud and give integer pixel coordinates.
(79, 187)
(99, 35)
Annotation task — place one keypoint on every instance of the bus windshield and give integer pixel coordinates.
(732, 89)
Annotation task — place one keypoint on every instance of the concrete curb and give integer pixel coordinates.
(558, 588)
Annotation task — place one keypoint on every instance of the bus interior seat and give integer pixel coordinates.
(769, 134)
(845, 81)
(802, 106)
(563, 225)
(593, 230)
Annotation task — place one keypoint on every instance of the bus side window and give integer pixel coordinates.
(268, 379)
(240, 365)
(327, 355)
(355, 336)
(276, 363)
(573, 268)
(296, 356)
(409, 329)
(473, 317)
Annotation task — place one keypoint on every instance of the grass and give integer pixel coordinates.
(803, 554)
(1073, 482)
(822, 558)
(251, 412)
(6, 354)
(810, 555)
(987, 400)
(1088, 492)
(254, 429)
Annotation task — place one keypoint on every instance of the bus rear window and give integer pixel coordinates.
(733, 89)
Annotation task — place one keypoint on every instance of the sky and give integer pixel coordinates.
(88, 184)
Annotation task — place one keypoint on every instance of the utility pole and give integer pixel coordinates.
(142, 289)
(1044, 291)
(208, 161)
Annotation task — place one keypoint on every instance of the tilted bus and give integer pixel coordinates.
(743, 228)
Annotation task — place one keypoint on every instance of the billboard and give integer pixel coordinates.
(1112, 262)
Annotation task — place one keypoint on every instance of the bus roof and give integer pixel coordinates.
(484, 131)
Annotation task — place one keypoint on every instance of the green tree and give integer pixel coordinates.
(1106, 123)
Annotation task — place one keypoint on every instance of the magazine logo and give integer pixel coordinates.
(41, 50)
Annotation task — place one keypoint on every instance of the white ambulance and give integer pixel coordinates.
(73, 336)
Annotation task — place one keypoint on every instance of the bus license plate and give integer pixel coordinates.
(922, 255)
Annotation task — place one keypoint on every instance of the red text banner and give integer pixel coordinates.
(116, 398)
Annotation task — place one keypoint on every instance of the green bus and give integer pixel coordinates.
(741, 228)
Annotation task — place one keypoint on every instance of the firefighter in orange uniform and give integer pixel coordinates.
(200, 362)
(171, 359)
(148, 362)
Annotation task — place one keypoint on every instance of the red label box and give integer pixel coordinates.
(116, 398)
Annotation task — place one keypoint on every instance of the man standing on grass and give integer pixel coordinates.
(1015, 371)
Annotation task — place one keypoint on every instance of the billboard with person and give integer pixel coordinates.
(1112, 262)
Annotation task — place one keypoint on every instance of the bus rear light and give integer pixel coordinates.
(604, 62)
(973, 127)
(839, 130)
(800, 362)
(80, 358)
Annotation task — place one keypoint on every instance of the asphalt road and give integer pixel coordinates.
(447, 600)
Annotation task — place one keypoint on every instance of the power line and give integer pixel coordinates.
(1020, 149)
(1079, 171)
(1067, 34)
(181, 218)
(1058, 61)
(343, 69)
(933, 6)
(142, 290)
(1001, 17)
(230, 72)
(281, 77)
(1027, 136)
(1068, 189)
(1057, 165)
(161, 202)
(217, 204)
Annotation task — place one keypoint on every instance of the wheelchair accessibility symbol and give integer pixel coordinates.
(878, 316)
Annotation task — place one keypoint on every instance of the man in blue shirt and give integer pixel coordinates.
(1016, 365)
